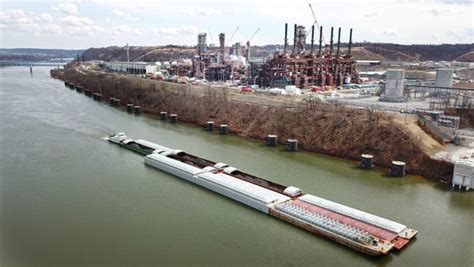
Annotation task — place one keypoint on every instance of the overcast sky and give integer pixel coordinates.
(98, 23)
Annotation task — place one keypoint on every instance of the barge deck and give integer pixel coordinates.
(359, 230)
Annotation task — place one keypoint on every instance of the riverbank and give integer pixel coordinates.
(323, 128)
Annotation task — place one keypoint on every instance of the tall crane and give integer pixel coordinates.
(315, 21)
(210, 35)
(236, 29)
(253, 35)
(247, 55)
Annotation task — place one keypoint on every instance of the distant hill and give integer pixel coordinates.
(138, 53)
(368, 51)
(442, 52)
(37, 54)
(468, 57)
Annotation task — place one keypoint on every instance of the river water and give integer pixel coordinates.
(67, 196)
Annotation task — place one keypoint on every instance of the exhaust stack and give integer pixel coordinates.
(286, 36)
(294, 40)
(331, 42)
(338, 42)
(312, 39)
(350, 43)
(320, 40)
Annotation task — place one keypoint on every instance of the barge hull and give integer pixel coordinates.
(326, 234)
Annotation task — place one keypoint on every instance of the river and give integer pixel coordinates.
(69, 197)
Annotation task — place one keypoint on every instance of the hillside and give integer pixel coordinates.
(467, 57)
(442, 52)
(367, 51)
(37, 54)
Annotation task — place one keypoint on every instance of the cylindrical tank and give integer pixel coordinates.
(224, 129)
(444, 77)
(210, 126)
(292, 145)
(394, 85)
(129, 107)
(272, 140)
(366, 161)
(116, 102)
(397, 169)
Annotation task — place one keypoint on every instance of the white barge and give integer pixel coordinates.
(356, 229)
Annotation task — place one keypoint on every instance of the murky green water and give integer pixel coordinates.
(67, 196)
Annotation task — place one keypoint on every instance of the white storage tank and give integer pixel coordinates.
(394, 85)
(444, 77)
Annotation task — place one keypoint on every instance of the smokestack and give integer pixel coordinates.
(350, 43)
(312, 39)
(222, 46)
(320, 39)
(294, 40)
(338, 41)
(332, 41)
(286, 36)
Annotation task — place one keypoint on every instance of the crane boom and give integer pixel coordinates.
(210, 35)
(315, 20)
(236, 29)
(253, 35)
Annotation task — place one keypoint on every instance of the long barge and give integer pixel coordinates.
(359, 230)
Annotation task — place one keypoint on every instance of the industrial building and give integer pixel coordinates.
(324, 67)
(129, 67)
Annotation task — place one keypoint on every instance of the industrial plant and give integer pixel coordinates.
(310, 68)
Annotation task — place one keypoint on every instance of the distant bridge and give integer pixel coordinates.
(31, 64)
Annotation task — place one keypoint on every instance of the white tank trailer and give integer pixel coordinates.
(394, 85)
(444, 77)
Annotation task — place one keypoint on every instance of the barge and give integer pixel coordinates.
(359, 230)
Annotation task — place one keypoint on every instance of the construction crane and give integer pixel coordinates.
(315, 22)
(253, 35)
(236, 29)
(210, 35)
(247, 56)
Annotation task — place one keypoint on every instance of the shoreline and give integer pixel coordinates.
(337, 131)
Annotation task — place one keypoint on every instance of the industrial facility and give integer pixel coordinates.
(303, 68)
(293, 66)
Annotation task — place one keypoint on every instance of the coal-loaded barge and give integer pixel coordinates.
(359, 230)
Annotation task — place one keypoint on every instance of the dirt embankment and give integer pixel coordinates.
(329, 129)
